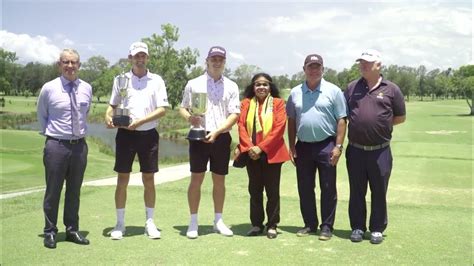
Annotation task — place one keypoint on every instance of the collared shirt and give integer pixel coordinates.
(144, 95)
(371, 113)
(316, 112)
(54, 108)
(222, 99)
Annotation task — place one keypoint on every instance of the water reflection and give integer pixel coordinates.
(168, 148)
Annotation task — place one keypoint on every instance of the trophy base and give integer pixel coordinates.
(121, 120)
(196, 134)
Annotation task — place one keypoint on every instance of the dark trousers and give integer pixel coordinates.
(312, 157)
(264, 176)
(374, 168)
(63, 162)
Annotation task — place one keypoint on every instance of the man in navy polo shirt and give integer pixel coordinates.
(375, 106)
(316, 113)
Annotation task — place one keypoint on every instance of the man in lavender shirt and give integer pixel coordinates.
(63, 106)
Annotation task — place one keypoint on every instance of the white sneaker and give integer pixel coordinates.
(151, 231)
(192, 232)
(118, 232)
(222, 229)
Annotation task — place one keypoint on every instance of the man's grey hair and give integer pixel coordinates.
(69, 51)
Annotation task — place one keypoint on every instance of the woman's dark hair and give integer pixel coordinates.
(274, 92)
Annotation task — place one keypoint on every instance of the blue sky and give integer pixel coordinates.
(274, 35)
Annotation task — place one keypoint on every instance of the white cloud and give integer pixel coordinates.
(299, 55)
(303, 21)
(28, 48)
(68, 43)
(409, 33)
(237, 56)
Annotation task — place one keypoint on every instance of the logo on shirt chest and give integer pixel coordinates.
(380, 95)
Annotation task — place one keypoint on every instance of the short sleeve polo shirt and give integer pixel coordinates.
(144, 95)
(222, 99)
(316, 112)
(371, 112)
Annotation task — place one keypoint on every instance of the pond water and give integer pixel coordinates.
(168, 148)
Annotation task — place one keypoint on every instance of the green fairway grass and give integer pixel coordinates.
(26, 105)
(19, 104)
(22, 161)
(429, 198)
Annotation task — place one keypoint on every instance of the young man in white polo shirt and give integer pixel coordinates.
(223, 108)
(146, 100)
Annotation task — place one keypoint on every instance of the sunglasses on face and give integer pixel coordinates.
(264, 84)
(66, 62)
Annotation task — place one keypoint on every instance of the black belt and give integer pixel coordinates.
(69, 141)
(321, 141)
(370, 148)
(137, 132)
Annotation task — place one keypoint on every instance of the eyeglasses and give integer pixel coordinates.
(64, 62)
(264, 84)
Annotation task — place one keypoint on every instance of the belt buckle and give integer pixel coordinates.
(375, 147)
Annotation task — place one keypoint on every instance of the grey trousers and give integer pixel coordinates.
(63, 161)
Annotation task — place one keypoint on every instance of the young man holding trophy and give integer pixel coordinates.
(211, 105)
(138, 99)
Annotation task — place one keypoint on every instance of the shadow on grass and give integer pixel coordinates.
(289, 229)
(346, 234)
(129, 231)
(450, 115)
(203, 229)
(61, 236)
(241, 229)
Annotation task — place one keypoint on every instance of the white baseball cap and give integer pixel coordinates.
(370, 55)
(137, 47)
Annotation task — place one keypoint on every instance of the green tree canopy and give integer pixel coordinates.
(96, 71)
(7, 70)
(171, 64)
(243, 75)
(464, 80)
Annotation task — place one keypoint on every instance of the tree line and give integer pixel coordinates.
(176, 66)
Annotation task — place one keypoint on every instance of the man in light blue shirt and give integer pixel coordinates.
(317, 114)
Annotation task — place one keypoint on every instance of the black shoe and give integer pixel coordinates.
(376, 237)
(325, 234)
(305, 231)
(50, 240)
(76, 238)
(272, 233)
(357, 235)
(255, 231)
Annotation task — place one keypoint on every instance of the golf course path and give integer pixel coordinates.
(166, 174)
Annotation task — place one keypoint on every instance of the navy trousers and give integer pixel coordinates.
(374, 168)
(313, 157)
(63, 162)
(263, 175)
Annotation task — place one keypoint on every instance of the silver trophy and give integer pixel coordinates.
(121, 116)
(198, 108)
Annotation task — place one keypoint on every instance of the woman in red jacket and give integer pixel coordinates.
(262, 124)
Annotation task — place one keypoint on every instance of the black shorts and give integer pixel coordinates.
(131, 142)
(217, 153)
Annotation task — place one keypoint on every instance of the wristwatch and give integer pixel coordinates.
(340, 147)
